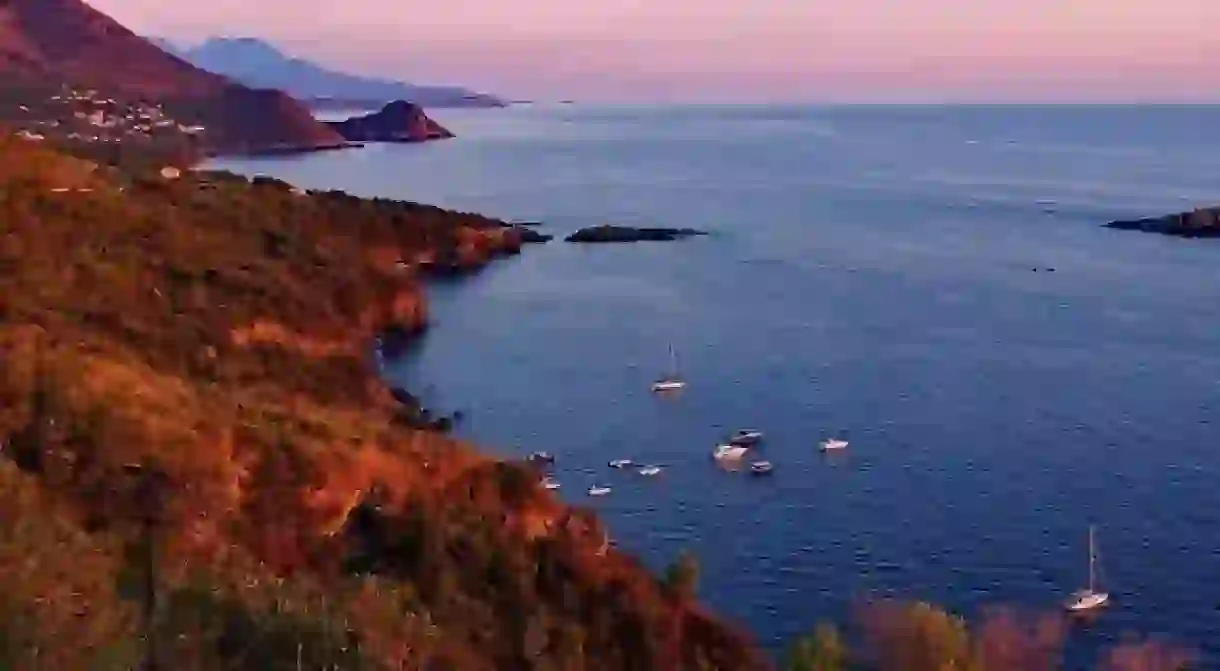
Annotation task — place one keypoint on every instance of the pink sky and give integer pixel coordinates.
(730, 50)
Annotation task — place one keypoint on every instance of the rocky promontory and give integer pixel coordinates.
(1201, 223)
(399, 121)
(608, 233)
(199, 357)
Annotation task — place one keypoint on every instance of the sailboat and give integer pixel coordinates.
(670, 382)
(1090, 598)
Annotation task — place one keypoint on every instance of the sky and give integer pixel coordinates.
(738, 50)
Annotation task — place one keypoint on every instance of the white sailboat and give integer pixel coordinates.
(671, 382)
(1090, 598)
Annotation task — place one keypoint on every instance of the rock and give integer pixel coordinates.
(529, 235)
(607, 233)
(399, 121)
(1201, 223)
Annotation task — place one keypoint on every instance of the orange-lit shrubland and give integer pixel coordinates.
(186, 366)
(187, 394)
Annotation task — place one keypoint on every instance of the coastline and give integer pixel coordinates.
(286, 456)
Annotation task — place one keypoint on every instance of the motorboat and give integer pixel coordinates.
(548, 483)
(541, 458)
(729, 452)
(650, 471)
(762, 468)
(620, 463)
(746, 437)
(597, 490)
(833, 444)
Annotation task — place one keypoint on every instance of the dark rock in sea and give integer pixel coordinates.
(607, 233)
(1201, 223)
(529, 235)
(396, 339)
(399, 121)
(405, 397)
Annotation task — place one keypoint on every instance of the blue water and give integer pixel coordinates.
(869, 274)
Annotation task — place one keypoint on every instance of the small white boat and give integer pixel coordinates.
(650, 471)
(668, 385)
(596, 490)
(672, 381)
(762, 468)
(1090, 598)
(832, 444)
(620, 463)
(729, 452)
(746, 437)
(548, 483)
(542, 458)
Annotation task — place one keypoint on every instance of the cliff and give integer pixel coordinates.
(187, 394)
(49, 44)
(398, 121)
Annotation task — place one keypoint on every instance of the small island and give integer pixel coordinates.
(399, 121)
(1200, 223)
(608, 233)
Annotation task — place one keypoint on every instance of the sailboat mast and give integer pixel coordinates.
(673, 362)
(1092, 560)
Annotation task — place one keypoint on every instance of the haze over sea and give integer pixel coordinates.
(870, 274)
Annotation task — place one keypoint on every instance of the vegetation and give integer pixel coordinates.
(906, 636)
(198, 464)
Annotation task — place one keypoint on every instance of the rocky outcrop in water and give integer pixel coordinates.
(529, 235)
(1201, 223)
(607, 233)
(399, 121)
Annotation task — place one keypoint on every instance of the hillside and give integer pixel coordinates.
(187, 394)
(51, 45)
(257, 63)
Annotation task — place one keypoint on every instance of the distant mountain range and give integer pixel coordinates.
(46, 45)
(259, 64)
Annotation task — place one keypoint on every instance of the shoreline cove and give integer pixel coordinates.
(213, 369)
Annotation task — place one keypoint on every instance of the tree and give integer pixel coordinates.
(824, 650)
(682, 576)
(1147, 655)
(916, 637)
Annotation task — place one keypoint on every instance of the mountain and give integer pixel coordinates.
(255, 62)
(49, 44)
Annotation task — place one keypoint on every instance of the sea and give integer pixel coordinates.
(934, 284)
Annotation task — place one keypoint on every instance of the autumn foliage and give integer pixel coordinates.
(200, 463)
(914, 636)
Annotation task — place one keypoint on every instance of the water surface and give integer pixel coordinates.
(871, 274)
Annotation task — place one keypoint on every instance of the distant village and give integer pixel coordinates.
(90, 117)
